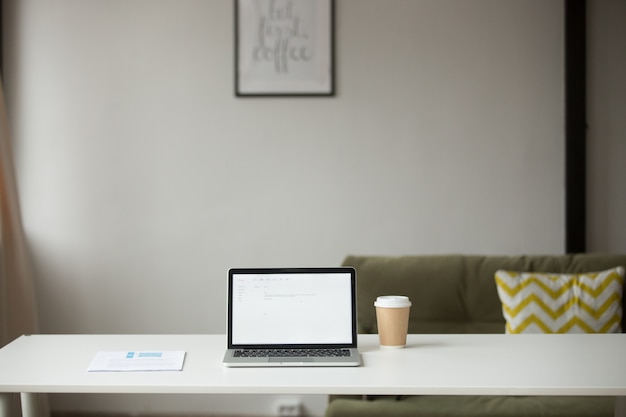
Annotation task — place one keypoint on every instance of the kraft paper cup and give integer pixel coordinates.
(392, 317)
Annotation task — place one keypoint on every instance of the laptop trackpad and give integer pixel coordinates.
(291, 359)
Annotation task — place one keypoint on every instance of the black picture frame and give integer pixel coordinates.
(284, 48)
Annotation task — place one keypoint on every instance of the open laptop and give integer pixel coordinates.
(292, 317)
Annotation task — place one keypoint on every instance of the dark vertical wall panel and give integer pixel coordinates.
(575, 126)
(1, 41)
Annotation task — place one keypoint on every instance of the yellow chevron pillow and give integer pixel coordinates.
(561, 303)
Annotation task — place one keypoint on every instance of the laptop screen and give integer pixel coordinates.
(292, 307)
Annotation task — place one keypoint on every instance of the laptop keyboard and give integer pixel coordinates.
(290, 353)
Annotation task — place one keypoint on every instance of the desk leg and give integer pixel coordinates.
(30, 404)
(6, 404)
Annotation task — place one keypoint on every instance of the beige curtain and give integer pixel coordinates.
(18, 312)
(18, 308)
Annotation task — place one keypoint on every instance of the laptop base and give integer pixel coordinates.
(237, 362)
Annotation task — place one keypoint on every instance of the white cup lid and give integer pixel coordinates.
(392, 301)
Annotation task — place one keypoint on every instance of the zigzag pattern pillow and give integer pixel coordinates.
(561, 303)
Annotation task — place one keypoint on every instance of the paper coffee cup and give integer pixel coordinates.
(392, 317)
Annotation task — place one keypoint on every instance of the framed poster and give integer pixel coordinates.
(284, 48)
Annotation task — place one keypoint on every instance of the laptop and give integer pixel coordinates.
(292, 317)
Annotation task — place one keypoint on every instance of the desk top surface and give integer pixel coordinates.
(430, 364)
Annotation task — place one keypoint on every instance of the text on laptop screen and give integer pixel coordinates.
(291, 308)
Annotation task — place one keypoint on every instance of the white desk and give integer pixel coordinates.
(429, 365)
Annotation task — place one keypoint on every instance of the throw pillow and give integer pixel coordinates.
(534, 302)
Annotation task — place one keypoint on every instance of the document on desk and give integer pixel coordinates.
(129, 361)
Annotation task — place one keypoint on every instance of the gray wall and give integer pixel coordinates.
(606, 116)
(143, 179)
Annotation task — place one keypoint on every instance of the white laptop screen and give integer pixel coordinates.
(291, 308)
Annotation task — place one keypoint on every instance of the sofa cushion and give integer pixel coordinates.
(463, 405)
(443, 299)
(561, 303)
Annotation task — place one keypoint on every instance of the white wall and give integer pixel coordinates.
(143, 179)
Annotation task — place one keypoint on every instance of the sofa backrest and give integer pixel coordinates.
(455, 293)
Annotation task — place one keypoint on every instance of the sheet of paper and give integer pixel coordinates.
(126, 361)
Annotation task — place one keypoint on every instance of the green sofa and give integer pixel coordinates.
(457, 294)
